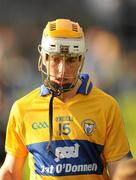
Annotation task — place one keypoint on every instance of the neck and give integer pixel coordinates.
(70, 94)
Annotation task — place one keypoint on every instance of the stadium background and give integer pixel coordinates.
(110, 32)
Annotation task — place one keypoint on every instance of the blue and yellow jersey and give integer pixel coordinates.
(88, 132)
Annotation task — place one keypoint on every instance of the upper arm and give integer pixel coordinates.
(12, 167)
(116, 143)
(116, 147)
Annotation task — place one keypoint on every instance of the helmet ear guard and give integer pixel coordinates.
(41, 66)
(65, 38)
(40, 58)
(40, 61)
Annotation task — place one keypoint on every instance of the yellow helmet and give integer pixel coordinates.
(63, 32)
(63, 37)
(63, 28)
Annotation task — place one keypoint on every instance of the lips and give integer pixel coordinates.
(60, 81)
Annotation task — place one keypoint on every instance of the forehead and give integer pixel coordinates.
(63, 57)
(64, 53)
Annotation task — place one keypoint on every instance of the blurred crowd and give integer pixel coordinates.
(17, 76)
(110, 58)
(110, 66)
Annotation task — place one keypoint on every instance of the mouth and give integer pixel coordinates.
(61, 81)
(59, 87)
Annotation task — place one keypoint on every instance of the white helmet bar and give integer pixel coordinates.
(63, 45)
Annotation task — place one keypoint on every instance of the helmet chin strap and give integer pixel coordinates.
(55, 90)
(50, 123)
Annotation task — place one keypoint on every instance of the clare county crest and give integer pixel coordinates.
(89, 126)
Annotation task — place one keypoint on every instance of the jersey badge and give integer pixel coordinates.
(89, 126)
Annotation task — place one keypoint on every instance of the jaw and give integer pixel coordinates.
(65, 96)
(61, 87)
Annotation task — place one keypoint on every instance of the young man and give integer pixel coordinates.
(70, 129)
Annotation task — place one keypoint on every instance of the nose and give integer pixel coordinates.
(61, 67)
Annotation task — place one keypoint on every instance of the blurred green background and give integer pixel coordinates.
(128, 107)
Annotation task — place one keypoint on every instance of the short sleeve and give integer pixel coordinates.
(14, 144)
(116, 144)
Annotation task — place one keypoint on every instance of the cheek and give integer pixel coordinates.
(49, 66)
(74, 68)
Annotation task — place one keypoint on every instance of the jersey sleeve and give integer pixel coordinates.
(116, 144)
(14, 144)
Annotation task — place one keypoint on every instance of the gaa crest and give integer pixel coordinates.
(89, 126)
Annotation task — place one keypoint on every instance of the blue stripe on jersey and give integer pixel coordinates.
(129, 155)
(43, 90)
(82, 89)
(67, 158)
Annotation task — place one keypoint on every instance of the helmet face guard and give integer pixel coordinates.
(62, 39)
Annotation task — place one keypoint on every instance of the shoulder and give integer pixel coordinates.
(26, 101)
(103, 98)
(29, 98)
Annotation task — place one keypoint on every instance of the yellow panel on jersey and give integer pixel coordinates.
(87, 132)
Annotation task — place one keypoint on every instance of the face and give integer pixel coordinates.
(62, 69)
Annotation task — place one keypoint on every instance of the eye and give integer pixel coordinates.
(46, 57)
(55, 59)
(80, 57)
(71, 59)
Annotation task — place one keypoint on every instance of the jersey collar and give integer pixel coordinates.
(85, 87)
